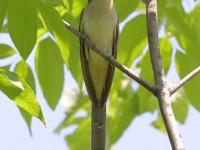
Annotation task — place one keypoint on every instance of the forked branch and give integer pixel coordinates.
(163, 93)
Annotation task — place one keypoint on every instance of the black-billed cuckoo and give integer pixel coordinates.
(100, 23)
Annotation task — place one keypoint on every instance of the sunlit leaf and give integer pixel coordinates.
(74, 66)
(53, 2)
(180, 106)
(187, 41)
(195, 20)
(83, 134)
(179, 21)
(123, 107)
(185, 64)
(6, 51)
(27, 118)
(15, 88)
(76, 6)
(130, 48)
(148, 102)
(50, 71)
(159, 124)
(126, 8)
(24, 71)
(166, 53)
(56, 26)
(180, 109)
(41, 28)
(80, 102)
(3, 7)
(4, 29)
(5, 68)
(22, 23)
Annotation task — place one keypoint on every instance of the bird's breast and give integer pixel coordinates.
(100, 29)
(99, 26)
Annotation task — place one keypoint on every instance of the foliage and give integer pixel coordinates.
(38, 25)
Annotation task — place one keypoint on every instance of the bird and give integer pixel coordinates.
(99, 22)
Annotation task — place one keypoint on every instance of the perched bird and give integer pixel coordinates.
(99, 22)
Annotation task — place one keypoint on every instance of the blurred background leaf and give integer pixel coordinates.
(50, 72)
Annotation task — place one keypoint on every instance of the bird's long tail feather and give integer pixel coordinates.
(98, 128)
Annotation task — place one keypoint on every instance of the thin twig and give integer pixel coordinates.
(185, 80)
(109, 58)
(163, 93)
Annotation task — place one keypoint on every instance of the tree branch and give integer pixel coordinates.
(109, 58)
(185, 80)
(163, 93)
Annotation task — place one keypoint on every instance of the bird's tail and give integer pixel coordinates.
(98, 128)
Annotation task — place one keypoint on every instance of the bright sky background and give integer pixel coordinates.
(14, 134)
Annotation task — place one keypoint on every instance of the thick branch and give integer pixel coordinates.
(163, 93)
(185, 80)
(109, 58)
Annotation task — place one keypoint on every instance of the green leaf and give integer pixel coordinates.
(185, 64)
(191, 42)
(3, 7)
(78, 102)
(123, 107)
(76, 6)
(126, 8)
(75, 66)
(22, 23)
(6, 51)
(56, 26)
(41, 28)
(5, 68)
(180, 109)
(180, 106)
(74, 59)
(15, 88)
(159, 124)
(176, 23)
(81, 136)
(24, 71)
(166, 53)
(147, 101)
(194, 23)
(4, 29)
(54, 3)
(50, 71)
(27, 117)
(130, 49)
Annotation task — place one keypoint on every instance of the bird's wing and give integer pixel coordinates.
(111, 68)
(85, 68)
